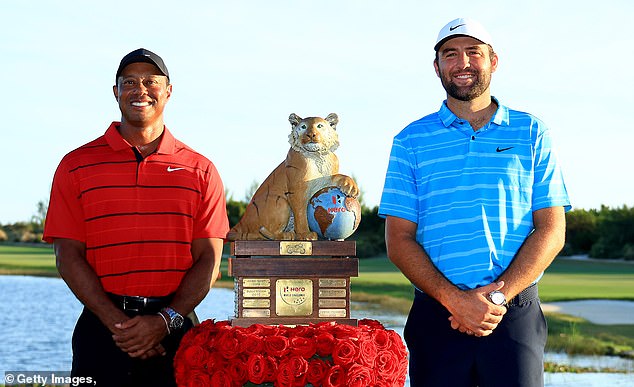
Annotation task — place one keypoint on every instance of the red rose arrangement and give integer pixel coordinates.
(325, 354)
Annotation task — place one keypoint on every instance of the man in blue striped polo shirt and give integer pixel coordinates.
(474, 202)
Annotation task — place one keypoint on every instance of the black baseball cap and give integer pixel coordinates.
(142, 55)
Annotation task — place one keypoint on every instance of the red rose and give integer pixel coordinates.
(276, 345)
(215, 361)
(292, 372)
(205, 333)
(324, 342)
(317, 369)
(360, 376)
(180, 372)
(196, 378)
(303, 331)
(195, 356)
(227, 344)
(397, 345)
(401, 374)
(386, 364)
(237, 370)
(263, 330)
(250, 343)
(372, 324)
(336, 377)
(343, 331)
(261, 369)
(345, 352)
(381, 339)
(303, 347)
(367, 350)
(219, 378)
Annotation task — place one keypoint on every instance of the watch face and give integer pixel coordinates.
(497, 298)
(177, 322)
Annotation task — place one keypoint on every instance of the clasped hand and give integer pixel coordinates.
(141, 336)
(474, 314)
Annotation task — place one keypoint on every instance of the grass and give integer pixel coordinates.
(568, 279)
(27, 260)
(575, 335)
(381, 283)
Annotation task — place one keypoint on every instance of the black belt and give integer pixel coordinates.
(525, 296)
(140, 305)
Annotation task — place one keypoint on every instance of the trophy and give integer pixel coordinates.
(290, 260)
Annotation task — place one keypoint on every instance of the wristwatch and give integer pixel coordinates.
(497, 297)
(176, 319)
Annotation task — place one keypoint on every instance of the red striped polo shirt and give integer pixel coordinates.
(136, 217)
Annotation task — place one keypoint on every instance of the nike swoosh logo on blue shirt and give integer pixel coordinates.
(503, 149)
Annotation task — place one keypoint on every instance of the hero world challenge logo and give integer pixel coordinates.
(293, 295)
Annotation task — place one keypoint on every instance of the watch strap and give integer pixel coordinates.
(176, 319)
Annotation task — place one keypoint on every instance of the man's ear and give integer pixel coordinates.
(169, 91)
(436, 68)
(115, 91)
(494, 63)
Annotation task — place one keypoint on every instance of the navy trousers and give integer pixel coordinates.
(441, 356)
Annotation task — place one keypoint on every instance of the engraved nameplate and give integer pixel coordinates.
(332, 303)
(256, 313)
(256, 282)
(294, 297)
(332, 282)
(332, 293)
(256, 303)
(332, 313)
(296, 248)
(257, 293)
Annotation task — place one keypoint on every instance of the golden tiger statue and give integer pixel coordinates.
(277, 210)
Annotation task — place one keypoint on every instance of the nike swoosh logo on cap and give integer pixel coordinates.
(170, 169)
(454, 27)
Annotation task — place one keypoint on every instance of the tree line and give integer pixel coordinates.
(604, 233)
(599, 233)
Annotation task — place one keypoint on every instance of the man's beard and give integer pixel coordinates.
(468, 93)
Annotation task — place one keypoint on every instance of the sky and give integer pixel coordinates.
(239, 68)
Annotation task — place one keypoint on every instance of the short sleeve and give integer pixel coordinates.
(549, 189)
(65, 216)
(399, 197)
(211, 218)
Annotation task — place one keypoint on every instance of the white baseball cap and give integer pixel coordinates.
(463, 27)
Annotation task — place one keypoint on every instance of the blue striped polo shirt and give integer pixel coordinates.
(472, 194)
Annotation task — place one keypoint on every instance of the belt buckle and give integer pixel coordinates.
(125, 305)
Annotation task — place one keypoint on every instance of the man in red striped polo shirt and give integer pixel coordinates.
(137, 219)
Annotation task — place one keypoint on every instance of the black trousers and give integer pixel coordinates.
(96, 355)
(441, 356)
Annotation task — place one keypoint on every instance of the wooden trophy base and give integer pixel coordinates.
(292, 282)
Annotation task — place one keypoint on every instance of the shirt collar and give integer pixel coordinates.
(500, 118)
(118, 143)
